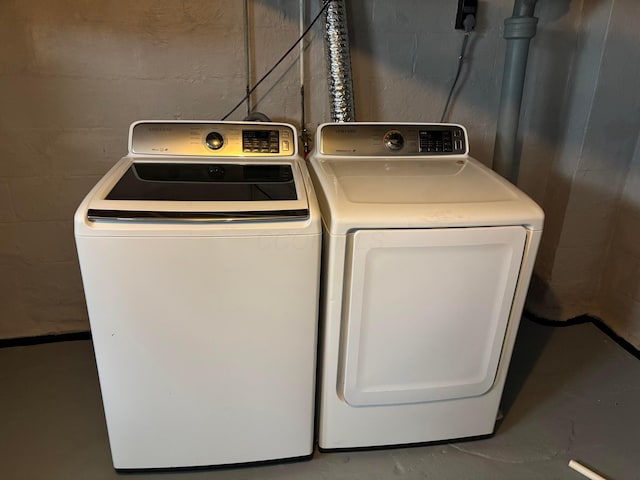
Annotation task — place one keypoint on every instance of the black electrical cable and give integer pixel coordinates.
(469, 23)
(250, 91)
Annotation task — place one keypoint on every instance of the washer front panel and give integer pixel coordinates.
(205, 345)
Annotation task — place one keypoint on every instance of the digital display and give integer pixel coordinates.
(259, 134)
(261, 141)
(436, 141)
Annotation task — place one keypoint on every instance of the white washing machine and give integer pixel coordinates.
(199, 253)
(427, 258)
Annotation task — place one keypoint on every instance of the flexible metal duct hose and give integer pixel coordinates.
(338, 62)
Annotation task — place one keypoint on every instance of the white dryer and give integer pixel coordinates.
(199, 253)
(427, 258)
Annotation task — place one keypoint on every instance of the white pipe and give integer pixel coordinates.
(581, 469)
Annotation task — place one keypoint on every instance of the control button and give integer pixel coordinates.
(214, 141)
(285, 145)
(393, 140)
(458, 144)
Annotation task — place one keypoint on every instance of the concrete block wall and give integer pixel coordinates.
(619, 289)
(592, 124)
(75, 74)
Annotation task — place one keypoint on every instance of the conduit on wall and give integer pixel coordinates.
(518, 32)
(338, 58)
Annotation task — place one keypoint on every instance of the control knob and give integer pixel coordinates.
(214, 141)
(393, 140)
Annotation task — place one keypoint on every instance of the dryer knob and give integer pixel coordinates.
(393, 140)
(214, 141)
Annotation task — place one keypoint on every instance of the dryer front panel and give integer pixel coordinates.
(425, 312)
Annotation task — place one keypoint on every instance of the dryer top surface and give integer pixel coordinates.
(412, 192)
(410, 175)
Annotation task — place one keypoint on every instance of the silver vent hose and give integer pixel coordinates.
(338, 62)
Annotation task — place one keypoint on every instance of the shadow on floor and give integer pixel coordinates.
(530, 343)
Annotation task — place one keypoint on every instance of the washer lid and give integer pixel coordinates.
(199, 189)
(410, 192)
(204, 182)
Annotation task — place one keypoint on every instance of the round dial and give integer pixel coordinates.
(393, 140)
(214, 141)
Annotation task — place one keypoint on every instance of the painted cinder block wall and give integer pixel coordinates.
(75, 74)
(578, 142)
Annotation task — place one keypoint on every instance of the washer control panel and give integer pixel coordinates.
(385, 139)
(225, 139)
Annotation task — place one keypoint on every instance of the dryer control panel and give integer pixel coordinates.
(223, 139)
(380, 139)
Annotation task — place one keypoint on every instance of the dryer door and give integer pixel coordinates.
(425, 312)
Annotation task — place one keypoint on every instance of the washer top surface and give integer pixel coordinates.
(186, 172)
(410, 176)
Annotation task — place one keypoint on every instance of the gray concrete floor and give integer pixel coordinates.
(571, 393)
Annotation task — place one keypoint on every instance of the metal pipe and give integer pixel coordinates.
(247, 53)
(304, 134)
(524, 8)
(518, 32)
(336, 38)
